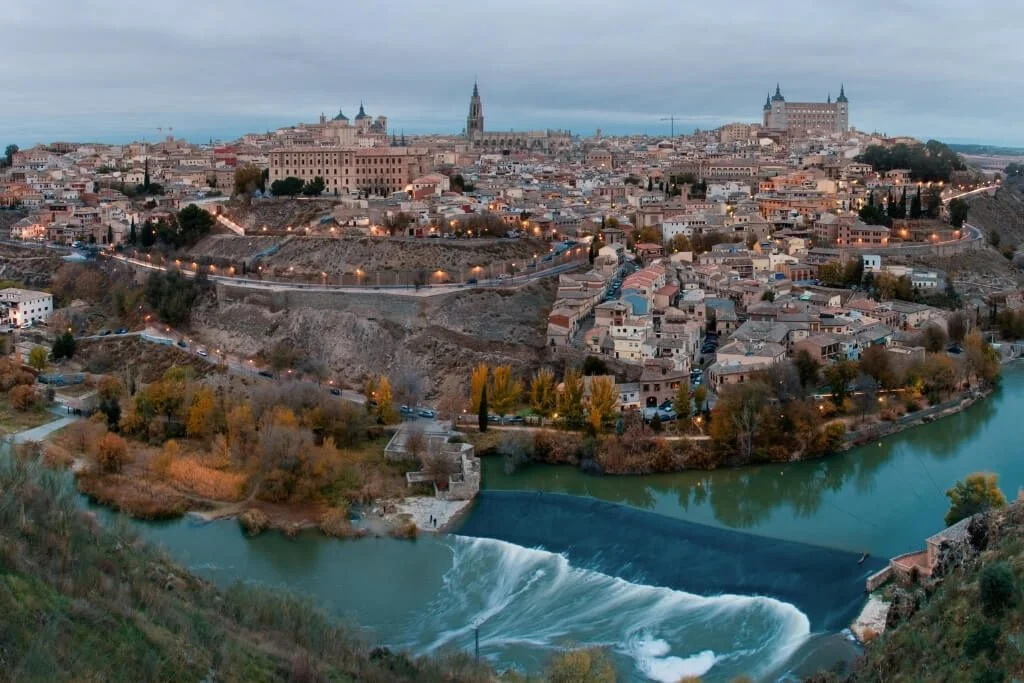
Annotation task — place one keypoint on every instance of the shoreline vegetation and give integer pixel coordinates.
(292, 459)
(782, 414)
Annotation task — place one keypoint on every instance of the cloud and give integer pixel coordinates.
(928, 68)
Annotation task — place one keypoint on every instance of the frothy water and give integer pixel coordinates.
(528, 603)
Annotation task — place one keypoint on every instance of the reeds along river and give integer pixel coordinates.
(668, 596)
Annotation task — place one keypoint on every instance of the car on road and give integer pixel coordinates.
(104, 333)
(335, 391)
(202, 352)
(493, 419)
(503, 276)
(405, 410)
(426, 412)
(122, 330)
(548, 257)
(266, 373)
(513, 420)
(471, 281)
(182, 343)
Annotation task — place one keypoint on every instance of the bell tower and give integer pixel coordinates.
(475, 120)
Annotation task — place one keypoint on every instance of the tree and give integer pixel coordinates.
(681, 400)
(543, 395)
(506, 390)
(314, 188)
(807, 367)
(935, 339)
(915, 205)
(386, 412)
(37, 358)
(581, 666)
(876, 363)
(839, 375)
(452, 400)
(997, 588)
(288, 187)
(982, 360)
(700, 396)
(481, 414)
(9, 153)
(570, 399)
(111, 453)
(977, 492)
(200, 420)
(956, 326)
(602, 401)
(933, 202)
(593, 365)
(958, 209)
(23, 397)
(110, 234)
(63, 346)
(477, 382)
(147, 238)
(738, 418)
(193, 224)
(248, 179)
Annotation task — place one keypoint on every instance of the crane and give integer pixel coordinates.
(671, 118)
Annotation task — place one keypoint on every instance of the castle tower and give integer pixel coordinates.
(778, 119)
(475, 120)
(842, 111)
(766, 122)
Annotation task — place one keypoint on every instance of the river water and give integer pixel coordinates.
(713, 573)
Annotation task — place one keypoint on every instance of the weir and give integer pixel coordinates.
(642, 547)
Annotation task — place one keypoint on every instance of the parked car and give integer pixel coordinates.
(471, 281)
(335, 391)
(513, 420)
(493, 419)
(122, 330)
(182, 344)
(266, 373)
(426, 412)
(405, 410)
(104, 333)
(202, 352)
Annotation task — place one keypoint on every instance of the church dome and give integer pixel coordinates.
(362, 113)
(340, 116)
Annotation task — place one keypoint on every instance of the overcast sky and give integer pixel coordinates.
(109, 69)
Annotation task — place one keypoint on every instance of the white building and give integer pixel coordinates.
(22, 307)
(872, 263)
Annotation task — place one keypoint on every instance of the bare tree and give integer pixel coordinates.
(407, 386)
(415, 441)
(452, 400)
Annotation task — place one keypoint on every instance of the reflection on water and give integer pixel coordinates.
(880, 497)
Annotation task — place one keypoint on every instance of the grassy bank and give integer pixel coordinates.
(81, 602)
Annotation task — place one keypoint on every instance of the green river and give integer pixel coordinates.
(748, 571)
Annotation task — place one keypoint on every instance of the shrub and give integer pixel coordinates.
(253, 521)
(111, 453)
(997, 588)
(984, 638)
(205, 481)
(23, 397)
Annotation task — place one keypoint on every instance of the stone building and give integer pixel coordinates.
(377, 170)
(800, 117)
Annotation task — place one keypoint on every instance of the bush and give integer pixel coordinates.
(984, 638)
(206, 481)
(23, 397)
(111, 453)
(997, 588)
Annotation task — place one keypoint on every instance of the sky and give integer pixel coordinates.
(111, 70)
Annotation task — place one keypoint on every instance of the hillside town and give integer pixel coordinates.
(712, 255)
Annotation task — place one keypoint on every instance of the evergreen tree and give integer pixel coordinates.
(148, 237)
(915, 205)
(482, 414)
(133, 237)
(110, 235)
(903, 204)
(145, 177)
(650, 184)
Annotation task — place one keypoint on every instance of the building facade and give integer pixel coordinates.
(829, 116)
(22, 307)
(376, 170)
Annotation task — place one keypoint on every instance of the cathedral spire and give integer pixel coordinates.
(842, 93)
